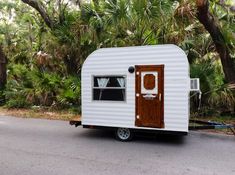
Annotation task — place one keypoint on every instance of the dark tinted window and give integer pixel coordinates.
(110, 88)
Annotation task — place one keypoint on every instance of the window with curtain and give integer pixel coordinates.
(112, 88)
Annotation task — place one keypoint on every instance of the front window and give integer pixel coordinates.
(110, 88)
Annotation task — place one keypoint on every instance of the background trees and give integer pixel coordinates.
(47, 41)
(3, 69)
(222, 47)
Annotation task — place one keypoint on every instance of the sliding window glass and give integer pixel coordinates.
(111, 88)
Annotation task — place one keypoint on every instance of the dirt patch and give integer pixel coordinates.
(39, 113)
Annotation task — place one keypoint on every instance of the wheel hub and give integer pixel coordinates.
(123, 133)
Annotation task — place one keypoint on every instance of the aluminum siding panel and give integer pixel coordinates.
(116, 61)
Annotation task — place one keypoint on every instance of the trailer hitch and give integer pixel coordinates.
(76, 121)
(211, 125)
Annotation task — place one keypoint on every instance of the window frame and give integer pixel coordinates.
(113, 101)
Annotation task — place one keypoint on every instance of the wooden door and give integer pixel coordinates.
(149, 96)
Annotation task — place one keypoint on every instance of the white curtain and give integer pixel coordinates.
(121, 82)
(102, 82)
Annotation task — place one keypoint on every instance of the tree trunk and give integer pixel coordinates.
(3, 69)
(208, 21)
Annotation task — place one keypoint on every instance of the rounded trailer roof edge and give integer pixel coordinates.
(128, 47)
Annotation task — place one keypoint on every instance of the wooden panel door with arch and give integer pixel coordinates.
(149, 96)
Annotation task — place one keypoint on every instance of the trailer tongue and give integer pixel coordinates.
(200, 125)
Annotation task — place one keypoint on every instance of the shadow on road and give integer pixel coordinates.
(107, 135)
(160, 138)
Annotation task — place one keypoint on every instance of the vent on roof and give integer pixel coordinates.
(194, 84)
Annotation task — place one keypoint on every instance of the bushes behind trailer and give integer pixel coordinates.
(30, 86)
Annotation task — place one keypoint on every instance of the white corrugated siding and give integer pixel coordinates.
(116, 61)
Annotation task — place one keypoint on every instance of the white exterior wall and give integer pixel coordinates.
(116, 61)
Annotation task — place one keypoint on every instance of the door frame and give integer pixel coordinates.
(137, 89)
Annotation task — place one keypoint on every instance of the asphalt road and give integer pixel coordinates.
(43, 147)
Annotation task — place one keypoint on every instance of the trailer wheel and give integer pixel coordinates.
(124, 134)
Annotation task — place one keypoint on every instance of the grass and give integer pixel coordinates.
(42, 113)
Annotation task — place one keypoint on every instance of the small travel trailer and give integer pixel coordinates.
(129, 89)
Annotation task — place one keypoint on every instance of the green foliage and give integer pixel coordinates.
(27, 87)
(217, 98)
(54, 80)
(70, 93)
(17, 86)
(17, 100)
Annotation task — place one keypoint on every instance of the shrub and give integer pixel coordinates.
(30, 86)
(70, 92)
(217, 98)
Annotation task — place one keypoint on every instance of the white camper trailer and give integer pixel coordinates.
(136, 88)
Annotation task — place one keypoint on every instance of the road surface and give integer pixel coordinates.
(44, 147)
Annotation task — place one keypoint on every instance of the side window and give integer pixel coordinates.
(112, 88)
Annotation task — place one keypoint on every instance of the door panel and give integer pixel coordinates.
(149, 96)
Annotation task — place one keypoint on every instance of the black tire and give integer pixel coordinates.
(124, 134)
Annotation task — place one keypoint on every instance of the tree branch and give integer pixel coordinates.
(208, 21)
(41, 10)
